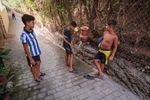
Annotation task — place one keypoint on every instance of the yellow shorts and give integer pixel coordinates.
(103, 56)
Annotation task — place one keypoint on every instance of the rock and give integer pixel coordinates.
(147, 78)
(136, 81)
(143, 70)
(9, 84)
(147, 67)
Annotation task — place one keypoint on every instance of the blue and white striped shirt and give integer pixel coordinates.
(30, 39)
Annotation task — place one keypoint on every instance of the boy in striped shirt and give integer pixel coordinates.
(31, 47)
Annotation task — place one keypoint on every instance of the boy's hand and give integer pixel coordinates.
(71, 45)
(32, 62)
(111, 58)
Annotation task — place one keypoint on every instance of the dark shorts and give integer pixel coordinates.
(68, 49)
(101, 56)
(35, 58)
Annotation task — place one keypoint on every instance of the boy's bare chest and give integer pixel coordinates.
(108, 38)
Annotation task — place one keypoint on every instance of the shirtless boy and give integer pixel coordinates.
(68, 45)
(107, 48)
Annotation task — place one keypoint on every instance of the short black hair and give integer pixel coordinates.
(27, 18)
(73, 23)
(111, 22)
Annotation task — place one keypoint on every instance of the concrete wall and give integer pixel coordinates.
(5, 19)
(4, 24)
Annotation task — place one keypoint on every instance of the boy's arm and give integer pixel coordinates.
(25, 46)
(68, 42)
(114, 48)
(99, 45)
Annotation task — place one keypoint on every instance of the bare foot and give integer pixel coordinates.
(70, 69)
(100, 75)
(37, 80)
(96, 74)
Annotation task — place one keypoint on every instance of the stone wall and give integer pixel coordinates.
(124, 72)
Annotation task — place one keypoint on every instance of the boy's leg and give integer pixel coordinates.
(39, 73)
(71, 62)
(38, 68)
(100, 73)
(102, 66)
(67, 61)
(33, 71)
(70, 58)
(36, 71)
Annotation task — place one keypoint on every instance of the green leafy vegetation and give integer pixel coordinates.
(8, 76)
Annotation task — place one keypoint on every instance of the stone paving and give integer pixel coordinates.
(59, 84)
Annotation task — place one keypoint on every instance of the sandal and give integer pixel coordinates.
(38, 80)
(89, 77)
(42, 74)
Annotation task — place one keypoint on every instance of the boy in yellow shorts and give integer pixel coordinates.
(107, 47)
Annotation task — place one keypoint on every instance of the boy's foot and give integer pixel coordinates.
(98, 75)
(74, 71)
(101, 76)
(37, 80)
(40, 78)
(42, 74)
(70, 69)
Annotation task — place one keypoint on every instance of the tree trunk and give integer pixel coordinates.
(93, 14)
